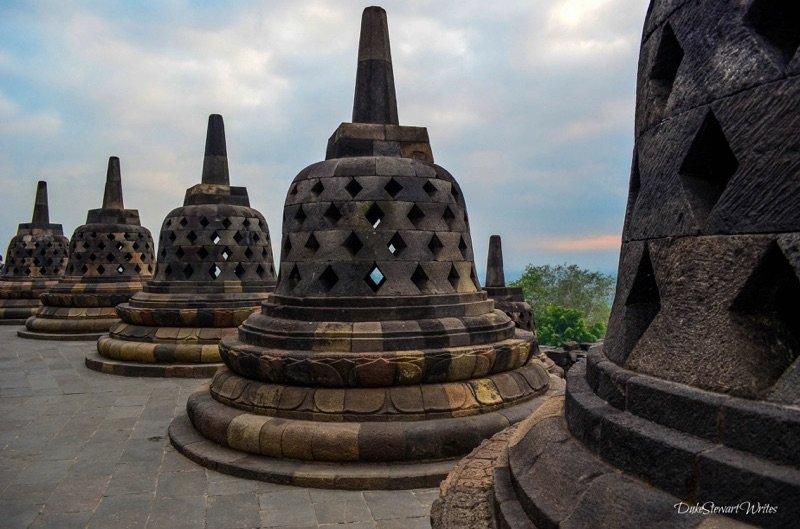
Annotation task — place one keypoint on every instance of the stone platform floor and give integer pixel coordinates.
(82, 449)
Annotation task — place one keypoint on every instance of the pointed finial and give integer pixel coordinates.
(41, 211)
(375, 100)
(495, 277)
(215, 163)
(112, 198)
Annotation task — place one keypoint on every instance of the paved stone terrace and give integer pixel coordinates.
(87, 450)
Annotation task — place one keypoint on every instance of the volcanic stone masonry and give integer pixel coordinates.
(35, 261)
(214, 268)
(378, 360)
(694, 394)
(110, 257)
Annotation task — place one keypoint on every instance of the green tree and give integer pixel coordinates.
(569, 303)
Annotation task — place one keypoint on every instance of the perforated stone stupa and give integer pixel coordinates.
(214, 268)
(694, 394)
(378, 359)
(35, 261)
(110, 257)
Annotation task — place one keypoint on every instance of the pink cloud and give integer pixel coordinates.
(576, 244)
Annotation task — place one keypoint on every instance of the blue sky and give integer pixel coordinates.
(529, 104)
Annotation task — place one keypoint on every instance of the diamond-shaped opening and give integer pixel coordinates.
(263, 253)
(708, 167)
(27, 271)
(36, 261)
(168, 223)
(429, 188)
(215, 237)
(110, 236)
(188, 271)
(179, 252)
(120, 269)
(248, 253)
(328, 278)
(137, 268)
(312, 243)
(353, 187)
(294, 277)
(770, 303)
(204, 222)
(128, 257)
(453, 277)
(183, 222)
(396, 245)
(101, 269)
(110, 257)
(293, 190)
(272, 270)
(260, 271)
(172, 236)
(202, 252)
(454, 191)
(214, 271)
(256, 238)
(642, 304)
(318, 188)
(239, 270)
(226, 223)
(665, 65)
(84, 269)
(119, 246)
(474, 277)
(163, 252)
(168, 270)
(448, 216)
(238, 237)
(374, 215)
(635, 185)
(332, 214)
(415, 215)
(353, 243)
(420, 279)
(375, 278)
(226, 253)
(393, 187)
(191, 236)
(300, 216)
(85, 245)
(100, 245)
(778, 23)
(462, 247)
(287, 246)
(92, 257)
(435, 245)
(246, 223)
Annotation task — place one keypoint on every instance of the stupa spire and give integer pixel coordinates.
(41, 211)
(375, 100)
(112, 198)
(495, 277)
(215, 163)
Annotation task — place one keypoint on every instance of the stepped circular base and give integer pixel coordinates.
(348, 476)
(16, 314)
(12, 321)
(136, 369)
(60, 337)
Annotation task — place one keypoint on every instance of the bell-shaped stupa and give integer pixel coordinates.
(110, 257)
(691, 408)
(378, 359)
(35, 261)
(214, 268)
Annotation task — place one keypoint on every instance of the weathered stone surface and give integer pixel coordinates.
(35, 261)
(110, 258)
(214, 268)
(378, 328)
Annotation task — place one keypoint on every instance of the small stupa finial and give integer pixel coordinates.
(112, 198)
(41, 211)
(495, 277)
(375, 100)
(215, 163)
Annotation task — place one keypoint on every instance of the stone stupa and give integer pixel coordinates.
(110, 258)
(35, 261)
(378, 360)
(689, 413)
(214, 268)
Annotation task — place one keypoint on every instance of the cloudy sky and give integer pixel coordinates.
(529, 104)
